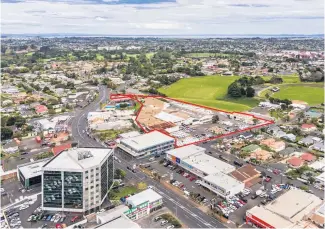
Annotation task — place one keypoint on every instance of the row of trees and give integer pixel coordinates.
(235, 90)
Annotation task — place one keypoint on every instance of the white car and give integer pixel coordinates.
(23, 207)
(170, 227)
(149, 186)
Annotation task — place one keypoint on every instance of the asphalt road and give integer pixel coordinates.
(186, 212)
(276, 179)
(79, 122)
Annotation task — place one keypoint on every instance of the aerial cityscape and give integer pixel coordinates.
(162, 114)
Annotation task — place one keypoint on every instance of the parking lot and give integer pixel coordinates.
(14, 192)
(28, 214)
(155, 220)
(234, 209)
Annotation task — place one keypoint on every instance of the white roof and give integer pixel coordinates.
(146, 195)
(168, 117)
(294, 204)
(148, 140)
(130, 134)
(32, 169)
(121, 222)
(208, 164)
(46, 124)
(112, 214)
(186, 151)
(68, 159)
(269, 217)
(222, 180)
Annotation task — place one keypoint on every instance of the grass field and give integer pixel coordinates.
(286, 79)
(209, 91)
(149, 55)
(205, 54)
(313, 94)
(121, 192)
(99, 57)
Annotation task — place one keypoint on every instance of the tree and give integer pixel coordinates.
(250, 92)
(215, 118)
(234, 90)
(11, 121)
(142, 186)
(20, 121)
(6, 133)
(119, 174)
(46, 89)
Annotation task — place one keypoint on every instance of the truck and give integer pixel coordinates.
(38, 139)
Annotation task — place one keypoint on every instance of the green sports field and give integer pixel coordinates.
(313, 94)
(209, 91)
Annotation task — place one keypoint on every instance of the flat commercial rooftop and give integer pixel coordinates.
(186, 151)
(269, 217)
(148, 140)
(223, 180)
(130, 134)
(208, 164)
(121, 222)
(294, 204)
(32, 169)
(146, 195)
(78, 158)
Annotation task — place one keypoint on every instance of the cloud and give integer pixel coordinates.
(132, 17)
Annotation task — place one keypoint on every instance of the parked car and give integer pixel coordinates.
(164, 222)
(267, 178)
(156, 219)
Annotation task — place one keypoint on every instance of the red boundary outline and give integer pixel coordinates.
(135, 97)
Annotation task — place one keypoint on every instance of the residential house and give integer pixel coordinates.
(318, 146)
(308, 127)
(41, 109)
(308, 157)
(250, 148)
(309, 140)
(287, 152)
(273, 130)
(261, 155)
(295, 162)
(280, 134)
(273, 144)
(290, 137)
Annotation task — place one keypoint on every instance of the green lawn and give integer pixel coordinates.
(121, 192)
(99, 57)
(206, 54)
(286, 78)
(209, 91)
(149, 55)
(313, 94)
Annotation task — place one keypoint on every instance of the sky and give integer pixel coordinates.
(162, 17)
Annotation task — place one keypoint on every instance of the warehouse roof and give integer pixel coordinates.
(222, 180)
(78, 158)
(294, 204)
(208, 164)
(269, 217)
(186, 151)
(148, 140)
